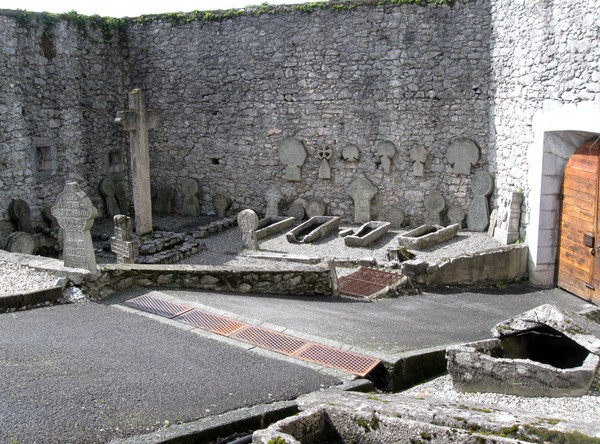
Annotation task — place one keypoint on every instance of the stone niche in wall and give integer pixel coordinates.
(114, 163)
(44, 157)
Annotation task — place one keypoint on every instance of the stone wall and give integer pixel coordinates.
(60, 87)
(231, 91)
(541, 51)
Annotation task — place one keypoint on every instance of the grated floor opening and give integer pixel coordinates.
(367, 282)
(261, 337)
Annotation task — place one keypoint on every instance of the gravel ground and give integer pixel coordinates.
(16, 279)
(580, 409)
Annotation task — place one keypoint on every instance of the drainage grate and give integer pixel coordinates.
(211, 322)
(366, 282)
(270, 340)
(157, 306)
(339, 359)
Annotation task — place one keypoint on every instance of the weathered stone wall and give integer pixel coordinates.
(231, 91)
(59, 90)
(541, 51)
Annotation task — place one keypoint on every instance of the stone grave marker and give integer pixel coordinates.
(164, 200)
(493, 222)
(434, 205)
(509, 217)
(221, 202)
(385, 152)
(272, 196)
(121, 196)
(418, 157)
(315, 207)
(191, 197)
(478, 216)
(138, 120)
(362, 192)
(350, 153)
(122, 242)
(462, 154)
(396, 217)
(248, 223)
(324, 153)
(456, 215)
(107, 189)
(296, 210)
(20, 213)
(20, 242)
(292, 154)
(75, 214)
(49, 218)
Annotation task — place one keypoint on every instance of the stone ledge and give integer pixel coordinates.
(31, 298)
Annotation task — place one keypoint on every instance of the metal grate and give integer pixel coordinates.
(339, 359)
(157, 306)
(366, 282)
(211, 322)
(270, 340)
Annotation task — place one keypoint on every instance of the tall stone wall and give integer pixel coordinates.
(541, 51)
(59, 89)
(231, 91)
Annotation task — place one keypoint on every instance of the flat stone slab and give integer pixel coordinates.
(427, 235)
(367, 234)
(273, 225)
(313, 229)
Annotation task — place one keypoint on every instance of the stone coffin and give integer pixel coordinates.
(273, 225)
(542, 352)
(367, 234)
(427, 235)
(314, 228)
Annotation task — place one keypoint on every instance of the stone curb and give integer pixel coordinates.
(32, 298)
(237, 421)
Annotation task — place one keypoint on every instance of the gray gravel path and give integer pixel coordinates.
(87, 373)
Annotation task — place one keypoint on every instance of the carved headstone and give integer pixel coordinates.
(122, 198)
(462, 154)
(191, 197)
(296, 210)
(273, 196)
(434, 205)
(248, 223)
(350, 153)
(292, 154)
(456, 215)
(107, 189)
(418, 157)
(221, 202)
(396, 217)
(385, 152)
(75, 214)
(315, 207)
(122, 243)
(164, 200)
(49, 217)
(138, 120)
(509, 217)
(20, 213)
(493, 221)
(478, 216)
(362, 192)
(324, 153)
(20, 242)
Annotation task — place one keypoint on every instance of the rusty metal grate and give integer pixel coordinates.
(157, 306)
(211, 322)
(270, 340)
(339, 359)
(366, 282)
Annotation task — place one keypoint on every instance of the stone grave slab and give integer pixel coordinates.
(122, 243)
(315, 207)
(350, 153)
(248, 223)
(362, 192)
(20, 242)
(20, 213)
(456, 215)
(386, 151)
(508, 217)
(296, 210)
(75, 214)
(221, 202)
(107, 189)
(434, 205)
(462, 154)
(426, 236)
(313, 229)
(395, 216)
(418, 157)
(367, 234)
(273, 196)
(324, 153)
(273, 225)
(292, 154)
(478, 217)
(191, 189)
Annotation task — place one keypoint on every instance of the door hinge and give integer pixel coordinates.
(590, 286)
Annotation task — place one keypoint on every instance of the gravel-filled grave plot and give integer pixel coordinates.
(16, 279)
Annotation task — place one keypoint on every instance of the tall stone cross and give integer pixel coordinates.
(138, 120)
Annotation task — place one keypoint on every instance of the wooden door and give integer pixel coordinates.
(579, 252)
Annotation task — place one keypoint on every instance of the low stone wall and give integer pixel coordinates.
(305, 280)
(505, 264)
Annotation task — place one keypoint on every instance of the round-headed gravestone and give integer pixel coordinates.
(20, 242)
(20, 212)
(395, 216)
(315, 207)
(248, 223)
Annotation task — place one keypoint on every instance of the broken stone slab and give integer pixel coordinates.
(427, 235)
(497, 366)
(339, 416)
(367, 234)
(580, 329)
(313, 229)
(273, 225)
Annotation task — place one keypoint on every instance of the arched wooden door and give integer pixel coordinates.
(579, 245)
